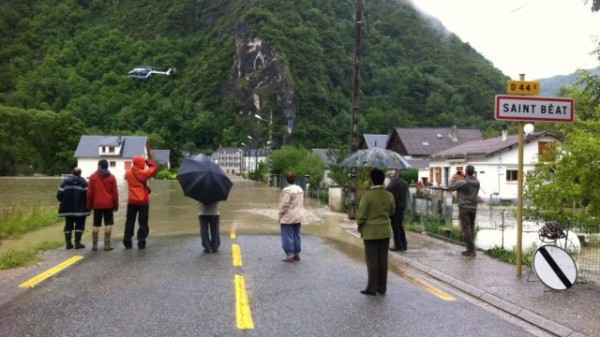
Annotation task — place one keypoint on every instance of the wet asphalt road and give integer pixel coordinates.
(173, 289)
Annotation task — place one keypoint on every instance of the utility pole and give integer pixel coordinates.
(269, 143)
(355, 108)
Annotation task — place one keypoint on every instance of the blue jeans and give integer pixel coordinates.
(290, 238)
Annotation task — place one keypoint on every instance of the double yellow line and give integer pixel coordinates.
(242, 305)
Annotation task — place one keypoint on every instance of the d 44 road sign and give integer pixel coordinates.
(523, 88)
(532, 109)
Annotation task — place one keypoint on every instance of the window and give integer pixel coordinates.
(113, 163)
(111, 149)
(512, 175)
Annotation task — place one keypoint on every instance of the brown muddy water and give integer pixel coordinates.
(250, 209)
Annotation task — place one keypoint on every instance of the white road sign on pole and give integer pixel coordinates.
(534, 109)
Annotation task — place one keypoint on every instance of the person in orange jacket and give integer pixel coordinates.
(138, 201)
(103, 198)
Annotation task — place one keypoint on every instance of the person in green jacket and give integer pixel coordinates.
(375, 210)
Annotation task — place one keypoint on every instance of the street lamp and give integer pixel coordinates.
(269, 143)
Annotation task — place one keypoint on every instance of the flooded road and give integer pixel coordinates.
(173, 289)
(251, 209)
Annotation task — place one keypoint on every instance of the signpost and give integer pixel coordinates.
(529, 109)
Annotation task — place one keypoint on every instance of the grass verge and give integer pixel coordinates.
(18, 220)
(26, 257)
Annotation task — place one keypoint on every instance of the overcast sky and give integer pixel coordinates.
(540, 38)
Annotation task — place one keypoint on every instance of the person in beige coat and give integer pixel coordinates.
(291, 209)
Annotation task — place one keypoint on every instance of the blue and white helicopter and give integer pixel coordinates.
(145, 72)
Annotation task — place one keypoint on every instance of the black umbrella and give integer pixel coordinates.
(203, 180)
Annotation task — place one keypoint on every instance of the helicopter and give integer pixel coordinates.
(145, 72)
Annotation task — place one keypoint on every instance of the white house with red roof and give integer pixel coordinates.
(495, 161)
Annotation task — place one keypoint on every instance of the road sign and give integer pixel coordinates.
(534, 109)
(523, 88)
(554, 267)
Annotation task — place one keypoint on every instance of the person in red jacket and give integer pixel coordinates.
(103, 199)
(139, 200)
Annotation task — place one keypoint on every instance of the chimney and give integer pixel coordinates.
(504, 132)
(454, 134)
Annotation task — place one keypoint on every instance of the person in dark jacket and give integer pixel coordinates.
(103, 198)
(138, 201)
(71, 195)
(399, 188)
(468, 191)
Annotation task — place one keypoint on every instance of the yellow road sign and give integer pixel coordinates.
(523, 88)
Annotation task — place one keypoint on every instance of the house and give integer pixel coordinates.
(162, 158)
(495, 160)
(118, 150)
(230, 159)
(417, 145)
(239, 160)
(369, 141)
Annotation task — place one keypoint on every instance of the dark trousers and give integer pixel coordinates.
(141, 212)
(467, 224)
(376, 256)
(398, 229)
(74, 222)
(209, 232)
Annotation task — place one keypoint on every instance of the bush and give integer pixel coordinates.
(166, 174)
(510, 256)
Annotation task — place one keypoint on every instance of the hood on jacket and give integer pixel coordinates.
(104, 172)
(139, 162)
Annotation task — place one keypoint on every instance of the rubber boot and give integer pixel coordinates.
(94, 241)
(78, 244)
(68, 240)
(107, 246)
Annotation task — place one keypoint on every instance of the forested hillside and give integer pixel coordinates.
(64, 72)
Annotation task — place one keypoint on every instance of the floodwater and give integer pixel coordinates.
(250, 209)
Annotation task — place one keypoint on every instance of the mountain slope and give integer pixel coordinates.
(234, 59)
(550, 87)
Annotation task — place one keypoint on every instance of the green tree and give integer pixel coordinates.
(300, 161)
(564, 186)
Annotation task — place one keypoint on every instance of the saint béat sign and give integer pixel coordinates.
(534, 109)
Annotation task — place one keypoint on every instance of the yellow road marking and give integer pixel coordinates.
(236, 255)
(242, 307)
(429, 288)
(232, 235)
(50, 272)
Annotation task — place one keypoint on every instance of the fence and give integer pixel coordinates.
(501, 221)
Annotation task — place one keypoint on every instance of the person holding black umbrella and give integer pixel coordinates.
(209, 226)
